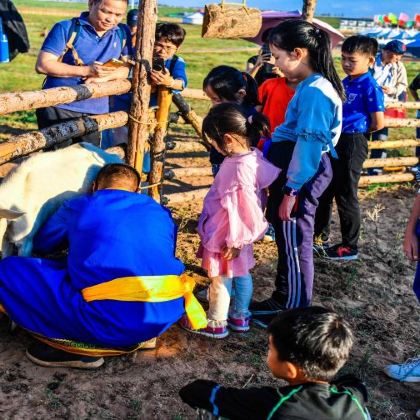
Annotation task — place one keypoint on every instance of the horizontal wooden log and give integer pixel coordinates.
(188, 113)
(188, 147)
(188, 172)
(194, 195)
(195, 94)
(382, 179)
(21, 101)
(399, 161)
(402, 105)
(6, 168)
(230, 21)
(393, 144)
(36, 140)
(402, 122)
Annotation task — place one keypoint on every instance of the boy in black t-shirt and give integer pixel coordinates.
(306, 348)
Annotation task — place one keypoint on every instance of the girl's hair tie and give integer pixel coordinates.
(250, 119)
(317, 33)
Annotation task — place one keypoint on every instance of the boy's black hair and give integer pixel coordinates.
(230, 118)
(316, 339)
(360, 44)
(171, 32)
(117, 172)
(226, 82)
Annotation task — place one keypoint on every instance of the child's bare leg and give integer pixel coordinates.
(219, 299)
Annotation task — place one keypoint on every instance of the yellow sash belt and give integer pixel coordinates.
(151, 289)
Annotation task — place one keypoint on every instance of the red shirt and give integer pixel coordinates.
(275, 95)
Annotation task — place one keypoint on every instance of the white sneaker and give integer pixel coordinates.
(405, 372)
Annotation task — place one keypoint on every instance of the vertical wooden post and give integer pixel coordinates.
(139, 115)
(308, 10)
(157, 147)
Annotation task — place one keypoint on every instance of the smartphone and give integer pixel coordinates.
(265, 50)
(158, 63)
(114, 63)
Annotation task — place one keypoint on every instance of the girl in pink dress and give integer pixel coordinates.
(232, 218)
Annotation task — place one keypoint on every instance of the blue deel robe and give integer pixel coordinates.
(111, 234)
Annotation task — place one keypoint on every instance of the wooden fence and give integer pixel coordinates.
(28, 143)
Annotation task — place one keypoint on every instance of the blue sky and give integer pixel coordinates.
(350, 8)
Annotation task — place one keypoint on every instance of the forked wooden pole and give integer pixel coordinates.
(308, 10)
(157, 146)
(139, 115)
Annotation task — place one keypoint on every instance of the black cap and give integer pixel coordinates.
(396, 47)
(132, 17)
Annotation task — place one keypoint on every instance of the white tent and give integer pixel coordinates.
(383, 34)
(402, 35)
(394, 33)
(193, 19)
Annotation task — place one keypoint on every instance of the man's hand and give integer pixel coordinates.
(286, 207)
(162, 78)
(230, 253)
(101, 74)
(411, 246)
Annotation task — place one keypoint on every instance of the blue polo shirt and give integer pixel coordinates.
(363, 96)
(90, 47)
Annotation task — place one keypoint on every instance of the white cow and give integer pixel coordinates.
(37, 187)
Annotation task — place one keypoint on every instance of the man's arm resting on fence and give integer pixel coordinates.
(47, 63)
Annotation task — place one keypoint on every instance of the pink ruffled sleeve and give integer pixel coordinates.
(245, 218)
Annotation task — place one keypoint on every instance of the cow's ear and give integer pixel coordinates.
(10, 214)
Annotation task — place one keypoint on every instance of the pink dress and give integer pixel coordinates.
(232, 213)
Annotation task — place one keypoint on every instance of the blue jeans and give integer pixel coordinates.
(220, 291)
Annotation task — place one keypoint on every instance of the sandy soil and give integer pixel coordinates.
(374, 294)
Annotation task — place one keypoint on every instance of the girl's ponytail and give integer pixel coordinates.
(230, 118)
(323, 62)
(292, 34)
(258, 126)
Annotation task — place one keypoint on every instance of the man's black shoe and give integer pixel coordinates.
(44, 355)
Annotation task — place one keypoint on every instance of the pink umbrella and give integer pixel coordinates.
(271, 18)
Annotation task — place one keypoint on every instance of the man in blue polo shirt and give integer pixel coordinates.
(74, 53)
(363, 113)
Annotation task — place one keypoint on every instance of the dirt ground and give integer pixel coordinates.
(374, 293)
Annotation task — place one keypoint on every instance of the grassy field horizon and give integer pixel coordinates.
(201, 55)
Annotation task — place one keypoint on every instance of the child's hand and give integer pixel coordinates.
(277, 71)
(386, 89)
(286, 207)
(230, 253)
(162, 78)
(410, 247)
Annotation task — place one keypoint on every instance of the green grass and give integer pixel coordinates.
(201, 55)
